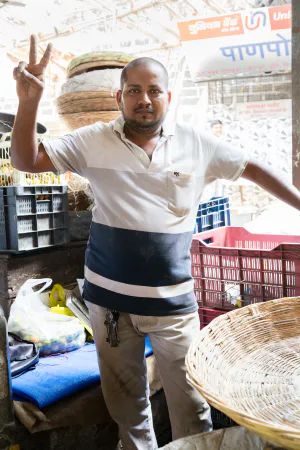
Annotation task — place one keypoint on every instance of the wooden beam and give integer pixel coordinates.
(157, 48)
(66, 32)
(140, 29)
(107, 5)
(168, 30)
(12, 3)
(143, 8)
(13, 58)
(196, 12)
(174, 13)
(296, 91)
(213, 6)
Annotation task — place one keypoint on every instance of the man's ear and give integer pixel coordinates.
(118, 98)
(169, 96)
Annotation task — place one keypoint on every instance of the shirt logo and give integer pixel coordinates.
(176, 174)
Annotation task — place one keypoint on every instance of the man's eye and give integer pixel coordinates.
(155, 91)
(133, 90)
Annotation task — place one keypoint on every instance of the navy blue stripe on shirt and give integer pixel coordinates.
(138, 257)
(181, 304)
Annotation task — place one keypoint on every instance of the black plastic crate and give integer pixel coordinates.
(35, 190)
(36, 199)
(34, 217)
(2, 223)
(220, 420)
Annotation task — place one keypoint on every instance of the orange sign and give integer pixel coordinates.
(250, 41)
(213, 27)
(280, 17)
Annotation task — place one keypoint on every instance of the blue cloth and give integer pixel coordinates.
(56, 377)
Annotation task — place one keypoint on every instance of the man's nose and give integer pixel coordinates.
(144, 99)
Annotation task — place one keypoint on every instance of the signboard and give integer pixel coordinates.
(270, 109)
(249, 42)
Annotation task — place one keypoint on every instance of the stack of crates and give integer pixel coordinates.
(213, 214)
(233, 268)
(33, 217)
(33, 207)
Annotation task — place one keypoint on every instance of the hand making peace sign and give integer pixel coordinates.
(30, 77)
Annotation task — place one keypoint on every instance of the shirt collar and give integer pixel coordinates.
(168, 126)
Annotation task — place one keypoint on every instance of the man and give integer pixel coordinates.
(216, 127)
(147, 175)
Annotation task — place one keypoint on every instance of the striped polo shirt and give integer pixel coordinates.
(138, 253)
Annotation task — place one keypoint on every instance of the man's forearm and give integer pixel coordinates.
(270, 181)
(24, 145)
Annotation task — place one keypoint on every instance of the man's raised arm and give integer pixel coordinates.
(26, 154)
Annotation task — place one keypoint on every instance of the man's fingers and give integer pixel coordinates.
(19, 69)
(47, 55)
(22, 66)
(33, 49)
(15, 73)
(32, 80)
(21, 72)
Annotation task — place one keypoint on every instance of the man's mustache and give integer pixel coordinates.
(144, 109)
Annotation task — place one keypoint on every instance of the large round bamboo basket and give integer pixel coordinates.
(82, 119)
(97, 60)
(246, 363)
(76, 102)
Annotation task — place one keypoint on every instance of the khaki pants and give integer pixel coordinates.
(124, 375)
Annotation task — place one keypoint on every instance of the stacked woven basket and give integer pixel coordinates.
(246, 363)
(89, 94)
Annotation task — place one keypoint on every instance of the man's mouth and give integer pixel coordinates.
(144, 111)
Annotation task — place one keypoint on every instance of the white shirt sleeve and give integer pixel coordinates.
(222, 160)
(67, 152)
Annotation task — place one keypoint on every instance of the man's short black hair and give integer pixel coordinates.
(145, 61)
(215, 122)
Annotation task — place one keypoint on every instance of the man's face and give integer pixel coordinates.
(145, 99)
(217, 129)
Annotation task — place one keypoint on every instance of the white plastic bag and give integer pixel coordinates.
(32, 320)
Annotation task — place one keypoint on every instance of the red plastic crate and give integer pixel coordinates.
(230, 265)
(206, 315)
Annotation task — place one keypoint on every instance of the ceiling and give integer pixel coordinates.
(81, 26)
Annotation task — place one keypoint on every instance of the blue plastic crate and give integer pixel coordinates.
(213, 214)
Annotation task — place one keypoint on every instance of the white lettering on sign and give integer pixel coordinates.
(282, 16)
(200, 26)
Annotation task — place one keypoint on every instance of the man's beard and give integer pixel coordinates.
(146, 128)
(143, 127)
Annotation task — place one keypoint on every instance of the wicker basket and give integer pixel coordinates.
(82, 119)
(97, 60)
(246, 363)
(87, 101)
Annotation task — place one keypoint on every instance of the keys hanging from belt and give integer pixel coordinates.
(111, 323)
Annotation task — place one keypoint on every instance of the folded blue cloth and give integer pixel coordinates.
(56, 377)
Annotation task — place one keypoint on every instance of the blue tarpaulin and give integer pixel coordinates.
(58, 376)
